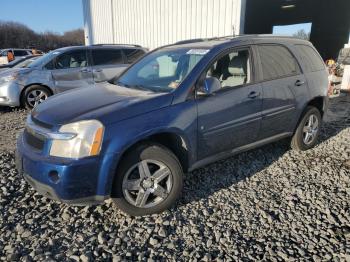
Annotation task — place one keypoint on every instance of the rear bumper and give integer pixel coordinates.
(10, 93)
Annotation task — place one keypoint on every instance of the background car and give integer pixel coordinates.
(18, 53)
(19, 63)
(65, 69)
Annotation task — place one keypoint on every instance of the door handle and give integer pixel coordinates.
(98, 70)
(299, 83)
(85, 70)
(253, 95)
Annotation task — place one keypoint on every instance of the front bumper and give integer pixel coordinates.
(10, 93)
(78, 182)
(49, 192)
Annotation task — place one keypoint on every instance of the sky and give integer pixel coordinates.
(44, 15)
(291, 29)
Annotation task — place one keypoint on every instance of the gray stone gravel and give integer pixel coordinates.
(270, 203)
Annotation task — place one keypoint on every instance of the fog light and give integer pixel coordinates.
(54, 177)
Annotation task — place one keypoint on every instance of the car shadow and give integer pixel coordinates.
(204, 182)
(7, 109)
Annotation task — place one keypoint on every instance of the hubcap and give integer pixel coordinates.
(310, 129)
(147, 184)
(35, 97)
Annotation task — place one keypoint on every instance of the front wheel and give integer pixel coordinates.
(34, 95)
(149, 180)
(306, 134)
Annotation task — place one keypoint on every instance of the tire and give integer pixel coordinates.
(34, 95)
(160, 193)
(299, 140)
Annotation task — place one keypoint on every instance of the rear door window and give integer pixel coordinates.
(20, 53)
(132, 54)
(277, 62)
(311, 60)
(107, 56)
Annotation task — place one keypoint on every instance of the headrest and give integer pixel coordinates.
(238, 65)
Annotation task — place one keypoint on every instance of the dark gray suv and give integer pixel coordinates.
(64, 69)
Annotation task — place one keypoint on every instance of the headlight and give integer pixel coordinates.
(87, 142)
(8, 78)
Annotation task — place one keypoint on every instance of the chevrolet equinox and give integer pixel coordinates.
(178, 108)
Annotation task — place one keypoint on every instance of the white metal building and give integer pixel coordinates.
(152, 23)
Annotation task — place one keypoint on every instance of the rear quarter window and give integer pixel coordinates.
(107, 56)
(310, 58)
(132, 55)
(277, 62)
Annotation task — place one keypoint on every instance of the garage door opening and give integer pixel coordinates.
(302, 31)
(330, 20)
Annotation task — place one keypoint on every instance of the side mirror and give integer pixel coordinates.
(209, 86)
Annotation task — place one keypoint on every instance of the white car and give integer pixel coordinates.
(18, 53)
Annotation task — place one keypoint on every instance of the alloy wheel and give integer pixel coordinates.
(35, 97)
(310, 129)
(147, 183)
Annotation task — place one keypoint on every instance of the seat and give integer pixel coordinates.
(74, 63)
(221, 70)
(238, 71)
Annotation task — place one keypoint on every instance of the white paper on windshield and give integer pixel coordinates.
(197, 51)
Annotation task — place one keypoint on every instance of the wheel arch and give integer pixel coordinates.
(172, 140)
(318, 102)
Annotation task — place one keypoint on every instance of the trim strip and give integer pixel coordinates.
(276, 111)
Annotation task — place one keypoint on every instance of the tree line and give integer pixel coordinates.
(16, 35)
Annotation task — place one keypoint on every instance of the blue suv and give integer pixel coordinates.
(176, 109)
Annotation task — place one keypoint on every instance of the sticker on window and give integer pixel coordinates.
(197, 51)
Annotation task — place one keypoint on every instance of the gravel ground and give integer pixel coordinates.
(267, 204)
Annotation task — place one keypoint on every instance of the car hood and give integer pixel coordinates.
(9, 71)
(20, 72)
(105, 102)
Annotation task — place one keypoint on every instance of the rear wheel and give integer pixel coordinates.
(149, 180)
(305, 137)
(34, 95)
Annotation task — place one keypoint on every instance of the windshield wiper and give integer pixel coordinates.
(139, 87)
(119, 84)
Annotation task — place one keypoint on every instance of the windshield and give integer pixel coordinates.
(44, 59)
(162, 70)
(26, 63)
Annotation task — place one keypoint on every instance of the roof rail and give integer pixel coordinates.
(117, 45)
(196, 40)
